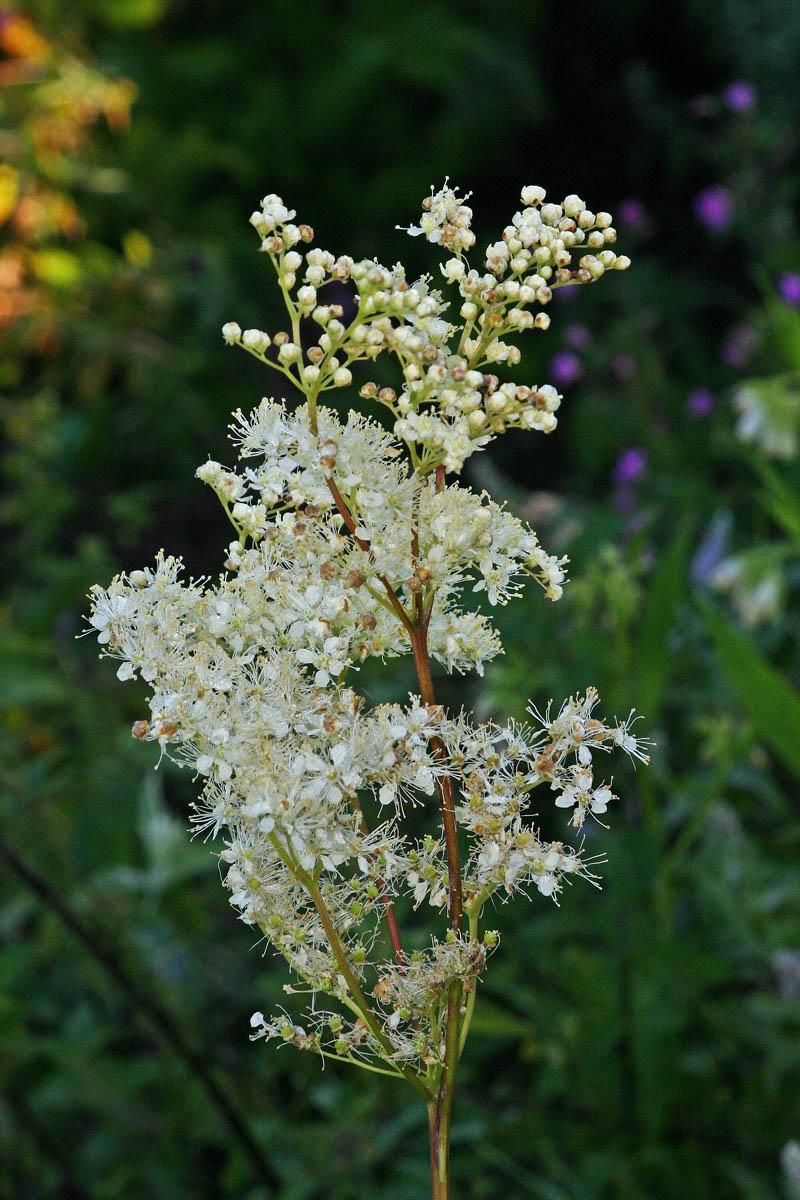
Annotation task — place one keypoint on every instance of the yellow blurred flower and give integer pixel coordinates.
(9, 191)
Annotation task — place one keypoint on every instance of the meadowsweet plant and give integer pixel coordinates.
(353, 538)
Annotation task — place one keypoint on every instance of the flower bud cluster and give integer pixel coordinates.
(448, 406)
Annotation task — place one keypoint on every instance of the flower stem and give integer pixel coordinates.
(419, 645)
(440, 1109)
(340, 954)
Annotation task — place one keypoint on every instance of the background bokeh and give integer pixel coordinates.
(638, 1042)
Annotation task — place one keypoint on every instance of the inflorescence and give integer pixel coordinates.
(350, 543)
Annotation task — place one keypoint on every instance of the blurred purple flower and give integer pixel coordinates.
(738, 346)
(740, 96)
(789, 288)
(630, 466)
(565, 368)
(624, 499)
(701, 402)
(623, 366)
(577, 336)
(714, 546)
(713, 208)
(631, 213)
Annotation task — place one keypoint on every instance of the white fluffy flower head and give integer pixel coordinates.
(350, 542)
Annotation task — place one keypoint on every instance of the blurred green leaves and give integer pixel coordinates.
(771, 703)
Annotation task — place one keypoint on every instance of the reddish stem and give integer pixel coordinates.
(347, 517)
(419, 645)
(391, 925)
(440, 1108)
(388, 909)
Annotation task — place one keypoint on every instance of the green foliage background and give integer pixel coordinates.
(639, 1042)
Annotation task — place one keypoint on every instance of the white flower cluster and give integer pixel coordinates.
(350, 543)
(499, 767)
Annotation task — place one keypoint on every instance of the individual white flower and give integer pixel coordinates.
(445, 219)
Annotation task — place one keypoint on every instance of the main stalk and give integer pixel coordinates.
(440, 1108)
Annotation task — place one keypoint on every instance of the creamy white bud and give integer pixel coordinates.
(533, 195)
(551, 213)
(453, 270)
(289, 352)
(573, 205)
(256, 339)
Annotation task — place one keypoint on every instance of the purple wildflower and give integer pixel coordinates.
(740, 97)
(713, 208)
(701, 402)
(630, 466)
(789, 288)
(565, 368)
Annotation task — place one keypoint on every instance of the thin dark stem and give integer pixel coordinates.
(433, 1131)
(418, 614)
(144, 1003)
(386, 900)
(347, 517)
(391, 925)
